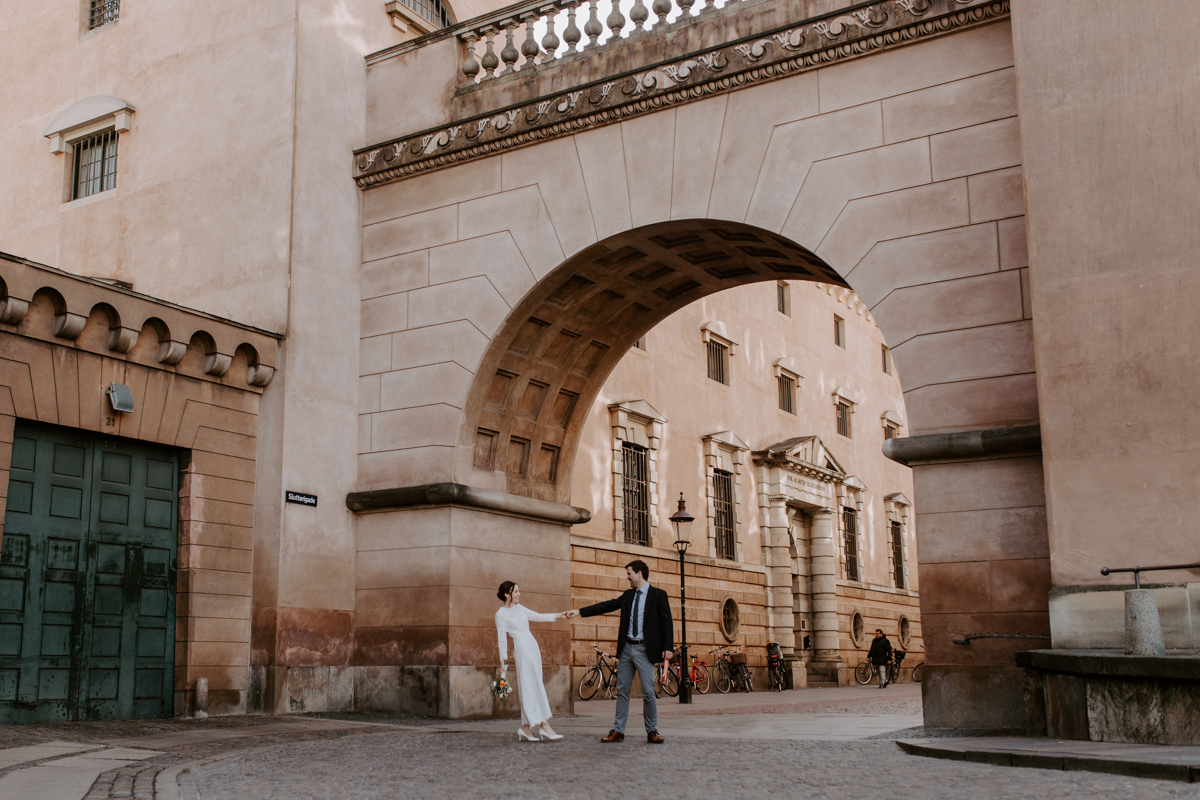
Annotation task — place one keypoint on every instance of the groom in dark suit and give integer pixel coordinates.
(646, 635)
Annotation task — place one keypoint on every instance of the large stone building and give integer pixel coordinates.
(764, 408)
(323, 255)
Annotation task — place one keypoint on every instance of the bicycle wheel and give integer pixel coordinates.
(778, 676)
(589, 683)
(747, 682)
(917, 672)
(723, 679)
(700, 679)
(671, 685)
(863, 673)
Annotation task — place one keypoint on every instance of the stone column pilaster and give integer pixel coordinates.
(779, 576)
(824, 587)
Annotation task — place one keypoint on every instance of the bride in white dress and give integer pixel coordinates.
(512, 619)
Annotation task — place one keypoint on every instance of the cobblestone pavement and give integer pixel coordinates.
(737, 746)
(481, 765)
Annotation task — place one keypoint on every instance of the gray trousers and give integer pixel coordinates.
(634, 657)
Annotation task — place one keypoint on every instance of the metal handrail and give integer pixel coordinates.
(1137, 579)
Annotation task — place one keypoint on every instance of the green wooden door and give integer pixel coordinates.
(87, 577)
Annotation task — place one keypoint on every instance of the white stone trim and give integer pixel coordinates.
(86, 117)
(715, 330)
(725, 451)
(850, 493)
(896, 509)
(636, 422)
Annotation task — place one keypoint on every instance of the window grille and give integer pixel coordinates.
(781, 296)
(636, 494)
(889, 432)
(718, 358)
(843, 420)
(787, 394)
(887, 359)
(102, 12)
(898, 554)
(95, 165)
(430, 10)
(850, 534)
(839, 331)
(723, 497)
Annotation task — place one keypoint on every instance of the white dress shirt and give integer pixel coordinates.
(637, 614)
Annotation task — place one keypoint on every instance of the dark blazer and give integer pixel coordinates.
(881, 651)
(659, 631)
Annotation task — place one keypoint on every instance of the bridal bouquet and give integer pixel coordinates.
(501, 688)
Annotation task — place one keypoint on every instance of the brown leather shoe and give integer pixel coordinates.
(613, 736)
(653, 737)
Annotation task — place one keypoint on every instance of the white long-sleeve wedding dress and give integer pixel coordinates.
(514, 621)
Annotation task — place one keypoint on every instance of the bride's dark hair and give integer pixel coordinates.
(505, 590)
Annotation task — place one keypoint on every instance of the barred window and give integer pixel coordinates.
(850, 534)
(889, 432)
(636, 491)
(787, 394)
(102, 12)
(839, 331)
(431, 11)
(843, 420)
(723, 497)
(95, 165)
(898, 553)
(718, 362)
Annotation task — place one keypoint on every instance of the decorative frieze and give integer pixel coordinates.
(690, 76)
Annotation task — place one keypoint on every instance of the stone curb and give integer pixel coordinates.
(1134, 768)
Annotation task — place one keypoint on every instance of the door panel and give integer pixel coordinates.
(87, 578)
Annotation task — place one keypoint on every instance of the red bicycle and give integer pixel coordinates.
(697, 674)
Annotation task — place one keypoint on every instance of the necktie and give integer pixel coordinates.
(637, 604)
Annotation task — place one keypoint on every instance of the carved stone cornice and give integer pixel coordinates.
(817, 42)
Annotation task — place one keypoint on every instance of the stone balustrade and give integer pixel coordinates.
(509, 42)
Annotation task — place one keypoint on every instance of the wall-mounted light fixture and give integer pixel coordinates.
(120, 397)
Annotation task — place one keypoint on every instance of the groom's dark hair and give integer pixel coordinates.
(639, 566)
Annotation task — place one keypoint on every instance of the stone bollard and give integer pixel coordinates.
(202, 695)
(1143, 630)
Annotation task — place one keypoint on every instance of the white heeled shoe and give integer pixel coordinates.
(522, 736)
(548, 737)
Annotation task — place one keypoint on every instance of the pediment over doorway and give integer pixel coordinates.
(801, 453)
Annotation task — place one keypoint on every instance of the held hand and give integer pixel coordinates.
(572, 614)
(667, 656)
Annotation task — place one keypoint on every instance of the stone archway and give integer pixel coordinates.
(500, 291)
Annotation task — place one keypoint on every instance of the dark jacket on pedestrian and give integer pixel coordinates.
(881, 651)
(659, 633)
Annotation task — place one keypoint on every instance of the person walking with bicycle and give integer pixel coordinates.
(646, 636)
(880, 655)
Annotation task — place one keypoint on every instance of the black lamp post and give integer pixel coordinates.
(682, 521)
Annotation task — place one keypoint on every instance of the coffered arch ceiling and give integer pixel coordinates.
(529, 399)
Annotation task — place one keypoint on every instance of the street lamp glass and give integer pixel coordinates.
(682, 521)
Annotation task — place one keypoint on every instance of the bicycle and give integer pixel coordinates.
(601, 675)
(697, 674)
(722, 670)
(917, 672)
(775, 666)
(866, 672)
(739, 671)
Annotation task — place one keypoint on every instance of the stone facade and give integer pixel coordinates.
(785, 466)
(458, 259)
